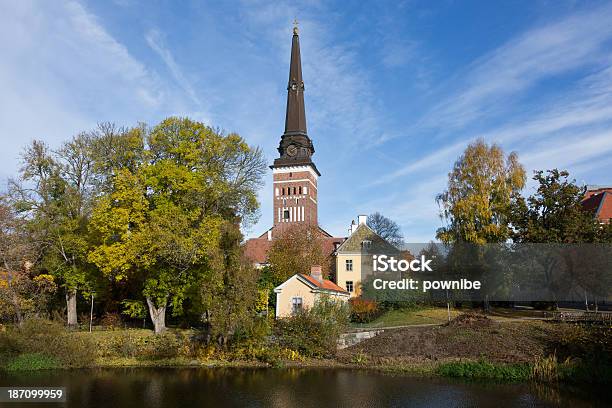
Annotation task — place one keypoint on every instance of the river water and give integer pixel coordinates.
(215, 387)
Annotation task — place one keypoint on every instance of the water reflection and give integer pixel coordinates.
(198, 387)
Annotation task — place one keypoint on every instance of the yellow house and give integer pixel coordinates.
(302, 292)
(354, 255)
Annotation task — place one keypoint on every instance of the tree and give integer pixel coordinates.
(160, 220)
(296, 250)
(20, 293)
(229, 294)
(386, 228)
(554, 214)
(54, 193)
(481, 188)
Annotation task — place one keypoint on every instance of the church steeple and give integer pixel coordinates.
(295, 120)
(295, 147)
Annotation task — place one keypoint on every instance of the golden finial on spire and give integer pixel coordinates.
(295, 26)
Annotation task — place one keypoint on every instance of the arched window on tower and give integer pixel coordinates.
(283, 193)
(294, 191)
(300, 189)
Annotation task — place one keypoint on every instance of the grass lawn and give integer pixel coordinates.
(409, 317)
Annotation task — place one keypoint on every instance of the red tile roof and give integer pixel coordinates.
(600, 204)
(325, 284)
(594, 190)
(256, 249)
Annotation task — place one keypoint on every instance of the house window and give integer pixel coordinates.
(296, 304)
(286, 214)
(366, 244)
(349, 286)
(349, 264)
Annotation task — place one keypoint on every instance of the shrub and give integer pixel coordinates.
(314, 332)
(47, 338)
(111, 320)
(363, 310)
(143, 344)
(167, 345)
(125, 343)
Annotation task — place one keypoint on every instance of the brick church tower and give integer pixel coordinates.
(294, 174)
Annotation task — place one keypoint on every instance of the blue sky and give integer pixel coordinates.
(394, 90)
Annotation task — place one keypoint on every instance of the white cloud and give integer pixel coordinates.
(61, 72)
(157, 44)
(433, 160)
(511, 69)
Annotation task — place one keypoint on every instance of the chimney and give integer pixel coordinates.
(361, 219)
(315, 272)
(353, 226)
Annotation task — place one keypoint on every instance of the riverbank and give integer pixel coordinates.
(473, 346)
(470, 346)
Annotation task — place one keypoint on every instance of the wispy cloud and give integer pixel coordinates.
(569, 151)
(496, 98)
(338, 90)
(513, 68)
(423, 164)
(157, 43)
(61, 72)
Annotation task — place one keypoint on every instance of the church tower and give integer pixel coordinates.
(294, 174)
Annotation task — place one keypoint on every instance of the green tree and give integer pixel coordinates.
(230, 294)
(54, 192)
(169, 194)
(554, 214)
(478, 200)
(21, 294)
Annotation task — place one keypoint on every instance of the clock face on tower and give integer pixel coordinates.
(292, 150)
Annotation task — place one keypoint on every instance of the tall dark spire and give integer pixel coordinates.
(295, 120)
(295, 147)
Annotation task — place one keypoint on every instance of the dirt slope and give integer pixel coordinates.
(468, 336)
